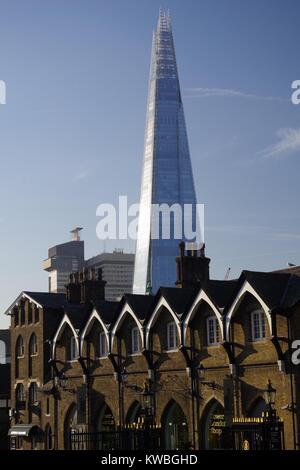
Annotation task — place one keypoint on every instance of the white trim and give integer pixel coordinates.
(246, 287)
(17, 301)
(126, 309)
(162, 303)
(202, 297)
(65, 321)
(94, 316)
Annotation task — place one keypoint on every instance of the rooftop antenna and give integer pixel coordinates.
(227, 274)
(75, 237)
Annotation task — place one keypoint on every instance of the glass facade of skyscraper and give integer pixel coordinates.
(167, 173)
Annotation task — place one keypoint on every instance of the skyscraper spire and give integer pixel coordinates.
(167, 172)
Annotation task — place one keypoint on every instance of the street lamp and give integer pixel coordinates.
(147, 400)
(270, 396)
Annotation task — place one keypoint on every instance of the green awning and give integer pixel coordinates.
(22, 430)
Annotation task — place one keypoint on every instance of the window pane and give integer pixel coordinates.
(171, 336)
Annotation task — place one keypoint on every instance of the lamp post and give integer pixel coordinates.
(270, 396)
(148, 401)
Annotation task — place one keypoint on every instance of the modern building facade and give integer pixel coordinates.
(117, 270)
(167, 172)
(63, 260)
(197, 363)
(67, 258)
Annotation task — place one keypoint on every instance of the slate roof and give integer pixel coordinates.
(220, 292)
(140, 304)
(270, 286)
(276, 289)
(47, 299)
(106, 309)
(78, 314)
(179, 299)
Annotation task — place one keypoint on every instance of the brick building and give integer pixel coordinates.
(198, 357)
(4, 387)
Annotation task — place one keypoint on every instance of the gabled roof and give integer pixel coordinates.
(42, 299)
(78, 314)
(47, 299)
(106, 310)
(179, 299)
(270, 286)
(140, 304)
(292, 294)
(220, 292)
(275, 289)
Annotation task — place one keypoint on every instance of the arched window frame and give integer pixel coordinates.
(33, 349)
(20, 350)
(20, 392)
(33, 393)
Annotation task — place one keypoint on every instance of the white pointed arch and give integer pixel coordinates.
(202, 297)
(125, 311)
(92, 319)
(162, 303)
(246, 288)
(63, 324)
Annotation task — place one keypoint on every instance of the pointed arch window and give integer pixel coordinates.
(20, 393)
(33, 393)
(20, 347)
(33, 350)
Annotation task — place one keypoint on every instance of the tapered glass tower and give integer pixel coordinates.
(167, 173)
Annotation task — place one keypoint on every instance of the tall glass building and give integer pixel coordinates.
(167, 172)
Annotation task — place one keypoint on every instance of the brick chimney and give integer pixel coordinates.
(85, 286)
(192, 266)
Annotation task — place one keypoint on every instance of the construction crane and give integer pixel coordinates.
(227, 274)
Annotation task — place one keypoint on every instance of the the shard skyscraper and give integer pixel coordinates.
(167, 172)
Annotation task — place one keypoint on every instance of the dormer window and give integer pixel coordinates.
(258, 325)
(212, 331)
(171, 336)
(135, 340)
(73, 349)
(102, 344)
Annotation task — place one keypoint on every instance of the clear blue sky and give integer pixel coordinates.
(71, 133)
